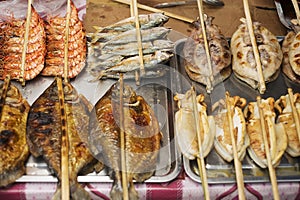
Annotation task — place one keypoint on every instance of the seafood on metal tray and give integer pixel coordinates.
(11, 47)
(185, 126)
(285, 116)
(276, 133)
(243, 61)
(55, 30)
(142, 137)
(44, 134)
(195, 60)
(223, 142)
(14, 150)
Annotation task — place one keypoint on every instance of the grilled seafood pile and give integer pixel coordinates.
(223, 142)
(285, 116)
(114, 49)
(142, 137)
(55, 31)
(276, 133)
(195, 61)
(11, 46)
(44, 129)
(243, 61)
(185, 126)
(14, 150)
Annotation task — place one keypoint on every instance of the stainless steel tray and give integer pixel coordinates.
(156, 93)
(218, 170)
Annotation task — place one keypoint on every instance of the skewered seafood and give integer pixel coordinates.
(243, 62)
(185, 126)
(55, 30)
(223, 142)
(12, 38)
(142, 137)
(14, 150)
(283, 106)
(44, 134)
(195, 60)
(276, 134)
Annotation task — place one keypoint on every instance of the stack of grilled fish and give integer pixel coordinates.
(114, 49)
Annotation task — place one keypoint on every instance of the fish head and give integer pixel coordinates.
(159, 18)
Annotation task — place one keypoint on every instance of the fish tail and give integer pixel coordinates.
(76, 193)
(116, 192)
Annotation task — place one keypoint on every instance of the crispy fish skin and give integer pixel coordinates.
(44, 134)
(14, 150)
(142, 136)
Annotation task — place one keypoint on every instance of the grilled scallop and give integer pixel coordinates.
(223, 143)
(283, 106)
(243, 61)
(185, 126)
(276, 134)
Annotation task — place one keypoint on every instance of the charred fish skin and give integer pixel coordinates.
(14, 150)
(44, 134)
(142, 136)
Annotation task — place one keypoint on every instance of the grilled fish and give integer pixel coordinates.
(142, 136)
(44, 134)
(14, 150)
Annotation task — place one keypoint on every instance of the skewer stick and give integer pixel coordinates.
(151, 9)
(272, 173)
(200, 159)
(138, 36)
(25, 44)
(122, 141)
(237, 162)
(66, 41)
(261, 79)
(296, 7)
(294, 111)
(210, 77)
(65, 183)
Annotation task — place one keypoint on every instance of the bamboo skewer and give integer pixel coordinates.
(261, 79)
(66, 41)
(25, 44)
(267, 149)
(200, 160)
(295, 112)
(150, 9)
(237, 162)
(210, 77)
(122, 141)
(296, 7)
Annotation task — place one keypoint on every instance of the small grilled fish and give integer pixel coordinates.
(44, 134)
(14, 150)
(142, 136)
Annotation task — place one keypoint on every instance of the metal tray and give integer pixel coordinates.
(156, 93)
(218, 170)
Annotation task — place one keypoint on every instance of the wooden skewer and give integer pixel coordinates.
(200, 159)
(237, 162)
(122, 143)
(138, 36)
(66, 41)
(294, 111)
(272, 173)
(296, 7)
(261, 79)
(210, 77)
(150, 9)
(25, 44)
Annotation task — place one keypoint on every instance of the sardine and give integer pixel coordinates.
(142, 136)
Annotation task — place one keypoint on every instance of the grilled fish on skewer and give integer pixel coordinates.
(185, 126)
(195, 60)
(223, 142)
(11, 46)
(14, 150)
(44, 134)
(142, 137)
(276, 134)
(283, 106)
(243, 62)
